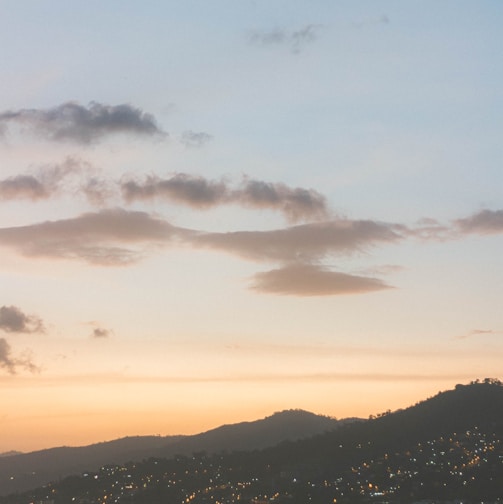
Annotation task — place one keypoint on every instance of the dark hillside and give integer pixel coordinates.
(448, 448)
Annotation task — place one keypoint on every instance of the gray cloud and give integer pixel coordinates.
(198, 192)
(13, 320)
(10, 363)
(295, 40)
(193, 191)
(303, 242)
(97, 191)
(313, 280)
(195, 139)
(42, 183)
(23, 187)
(483, 222)
(108, 237)
(295, 203)
(77, 123)
(100, 332)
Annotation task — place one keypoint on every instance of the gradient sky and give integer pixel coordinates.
(214, 210)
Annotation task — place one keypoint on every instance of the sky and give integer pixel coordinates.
(213, 211)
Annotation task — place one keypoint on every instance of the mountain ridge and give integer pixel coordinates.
(20, 472)
(447, 448)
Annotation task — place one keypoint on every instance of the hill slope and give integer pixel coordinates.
(447, 448)
(24, 471)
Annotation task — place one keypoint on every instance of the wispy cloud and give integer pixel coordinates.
(313, 280)
(198, 192)
(42, 183)
(77, 123)
(11, 363)
(479, 332)
(322, 377)
(295, 40)
(483, 222)
(195, 139)
(13, 320)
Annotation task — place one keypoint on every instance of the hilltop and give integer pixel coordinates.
(20, 472)
(446, 448)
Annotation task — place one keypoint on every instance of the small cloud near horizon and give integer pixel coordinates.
(13, 320)
(479, 332)
(13, 364)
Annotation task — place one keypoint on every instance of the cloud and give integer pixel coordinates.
(195, 139)
(483, 222)
(109, 237)
(97, 191)
(100, 332)
(304, 242)
(322, 377)
(23, 187)
(193, 191)
(43, 183)
(295, 203)
(479, 332)
(77, 123)
(313, 280)
(295, 40)
(198, 192)
(11, 364)
(13, 320)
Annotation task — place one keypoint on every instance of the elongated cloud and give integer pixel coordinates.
(12, 364)
(479, 332)
(73, 122)
(111, 234)
(198, 192)
(108, 237)
(13, 320)
(483, 222)
(313, 280)
(302, 243)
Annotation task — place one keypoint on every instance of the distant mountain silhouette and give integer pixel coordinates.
(10, 453)
(289, 425)
(20, 472)
(448, 448)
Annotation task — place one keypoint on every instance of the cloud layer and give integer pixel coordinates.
(77, 123)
